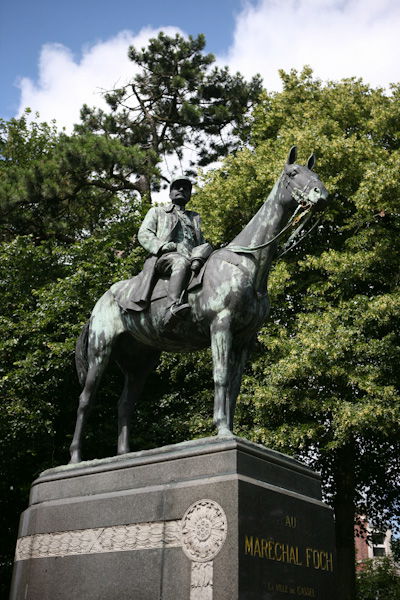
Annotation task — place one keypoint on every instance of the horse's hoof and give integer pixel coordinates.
(75, 458)
(224, 431)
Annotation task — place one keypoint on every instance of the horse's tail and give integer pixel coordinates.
(81, 359)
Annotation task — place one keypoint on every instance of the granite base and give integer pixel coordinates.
(219, 518)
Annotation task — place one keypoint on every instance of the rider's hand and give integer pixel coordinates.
(168, 247)
(196, 265)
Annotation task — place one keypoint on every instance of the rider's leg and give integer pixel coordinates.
(178, 268)
(179, 278)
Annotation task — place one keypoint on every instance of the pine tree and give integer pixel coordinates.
(177, 100)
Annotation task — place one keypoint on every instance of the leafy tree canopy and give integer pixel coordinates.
(327, 375)
(55, 186)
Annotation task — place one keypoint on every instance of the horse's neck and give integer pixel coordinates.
(265, 225)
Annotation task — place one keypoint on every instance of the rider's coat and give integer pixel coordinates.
(164, 224)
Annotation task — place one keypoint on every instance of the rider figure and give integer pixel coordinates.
(170, 233)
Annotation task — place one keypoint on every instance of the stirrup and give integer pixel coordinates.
(178, 308)
(175, 313)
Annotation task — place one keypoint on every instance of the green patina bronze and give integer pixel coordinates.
(225, 305)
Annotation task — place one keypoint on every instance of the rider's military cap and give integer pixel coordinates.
(181, 178)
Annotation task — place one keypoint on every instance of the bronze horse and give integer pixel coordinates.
(227, 311)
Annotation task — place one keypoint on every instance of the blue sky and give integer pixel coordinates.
(26, 25)
(56, 55)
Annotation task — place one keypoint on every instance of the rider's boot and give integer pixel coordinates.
(177, 283)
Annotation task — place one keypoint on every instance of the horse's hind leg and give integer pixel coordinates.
(101, 338)
(86, 399)
(136, 362)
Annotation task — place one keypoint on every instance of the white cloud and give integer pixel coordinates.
(337, 38)
(65, 84)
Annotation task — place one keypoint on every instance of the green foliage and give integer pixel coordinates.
(55, 186)
(50, 278)
(378, 580)
(48, 292)
(175, 101)
(324, 381)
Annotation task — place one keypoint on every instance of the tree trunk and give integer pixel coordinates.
(142, 185)
(344, 508)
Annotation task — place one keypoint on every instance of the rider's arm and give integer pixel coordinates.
(147, 234)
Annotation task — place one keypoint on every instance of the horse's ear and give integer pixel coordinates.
(292, 155)
(311, 161)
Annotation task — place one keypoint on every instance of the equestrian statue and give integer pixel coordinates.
(189, 297)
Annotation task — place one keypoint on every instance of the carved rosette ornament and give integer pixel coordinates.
(204, 530)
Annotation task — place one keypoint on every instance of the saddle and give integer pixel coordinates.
(124, 291)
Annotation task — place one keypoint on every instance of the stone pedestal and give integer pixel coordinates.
(217, 518)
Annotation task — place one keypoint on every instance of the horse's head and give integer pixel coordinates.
(299, 184)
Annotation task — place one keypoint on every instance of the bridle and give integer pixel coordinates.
(305, 203)
(302, 196)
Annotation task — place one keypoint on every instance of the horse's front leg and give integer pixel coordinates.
(221, 346)
(238, 359)
(125, 408)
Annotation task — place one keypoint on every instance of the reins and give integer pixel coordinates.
(289, 246)
(293, 219)
(304, 202)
